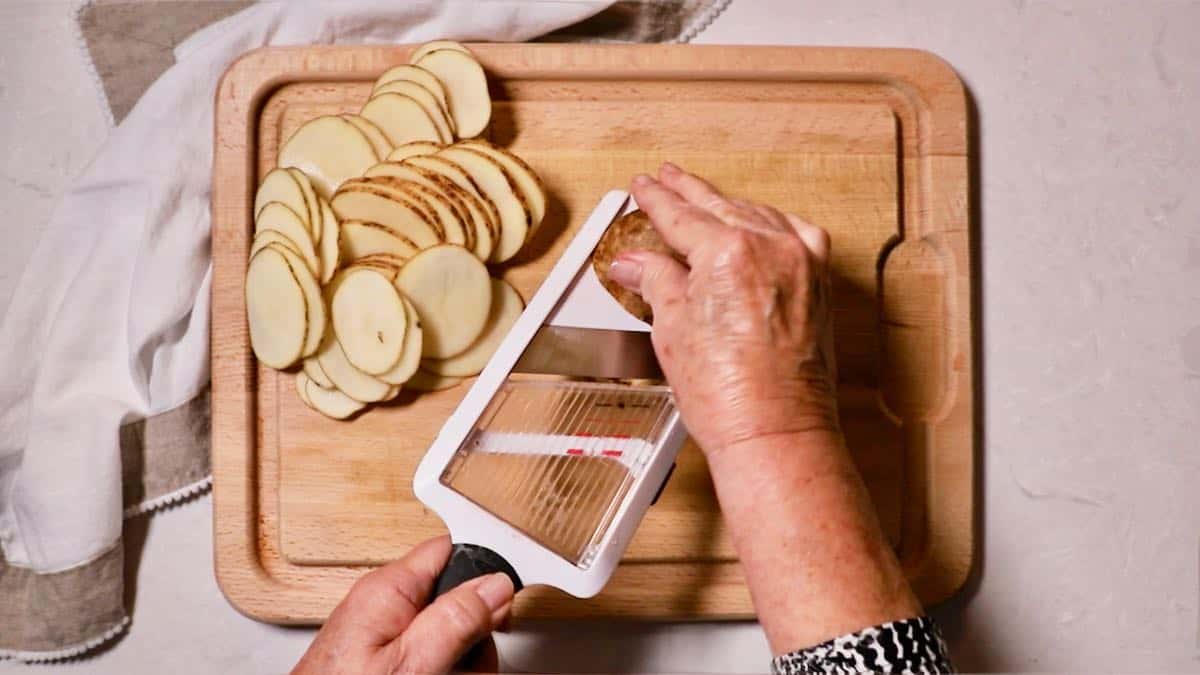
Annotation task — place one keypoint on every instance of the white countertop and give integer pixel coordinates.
(1090, 237)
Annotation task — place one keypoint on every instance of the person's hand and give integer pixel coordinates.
(384, 626)
(742, 331)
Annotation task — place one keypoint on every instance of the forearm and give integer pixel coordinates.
(816, 561)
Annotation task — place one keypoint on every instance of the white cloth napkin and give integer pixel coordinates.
(109, 322)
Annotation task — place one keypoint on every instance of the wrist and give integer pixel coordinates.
(810, 442)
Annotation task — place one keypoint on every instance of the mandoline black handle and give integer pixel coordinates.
(467, 562)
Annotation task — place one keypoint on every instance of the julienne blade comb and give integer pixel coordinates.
(552, 458)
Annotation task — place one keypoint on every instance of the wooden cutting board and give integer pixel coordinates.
(869, 143)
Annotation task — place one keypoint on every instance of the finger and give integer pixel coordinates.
(815, 238)
(660, 279)
(456, 621)
(683, 226)
(383, 603)
(696, 191)
(754, 216)
(773, 216)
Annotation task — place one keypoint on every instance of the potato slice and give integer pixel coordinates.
(417, 92)
(466, 89)
(457, 175)
(350, 380)
(278, 217)
(281, 185)
(376, 205)
(302, 386)
(526, 179)
(310, 203)
(275, 309)
(423, 380)
(402, 119)
(272, 237)
(329, 150)
(452, 293)
(507, 306)
(416, 74)
(329, 251)
(388, 259)
(326, 400)
(361, 239)
(313, 370)
(369, 319)
(495, 182)
(312, 297)
(388, 270)
(382, 146)
(399, 191)
(469, 209)
(435, 206)
(410, 358)
(414, 149)
(434, 46)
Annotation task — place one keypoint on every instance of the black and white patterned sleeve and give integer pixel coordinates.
(909, 646)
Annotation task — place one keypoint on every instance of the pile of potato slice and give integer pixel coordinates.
(372, 240)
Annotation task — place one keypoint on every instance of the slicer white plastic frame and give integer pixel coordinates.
(469, 522)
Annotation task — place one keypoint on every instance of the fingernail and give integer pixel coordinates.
(496, 590)
(670, 169)
(626, 272)
(642, 180)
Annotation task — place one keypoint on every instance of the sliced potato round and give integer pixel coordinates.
(328, 401)
(495, 182)
(386, 186)
(281, 185)
(310, 202)
(456, 174)
(378, 141)
(275, 309)
(435, 45)
(369, 319)
(507, 306)
(477, 235)
(272, 237)
(388, 270)
(350, 380)
(410, 358)
(452, 292)
(417, 92)
(386, 259)
(416, 74)
(302, 387)
(329, 150)
(466, 89)
(313, 370)
(328, 253)
(436, 207)
(423, 380)
(414, 149)
(312, 297)
(361, 239)
(527, 182)
(278, 217)
(402, 119)
(377, 205)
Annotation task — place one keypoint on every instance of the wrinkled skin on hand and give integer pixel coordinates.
(743, 330)
(386, 623)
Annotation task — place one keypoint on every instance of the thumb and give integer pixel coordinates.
(452, 624)
(660, 279)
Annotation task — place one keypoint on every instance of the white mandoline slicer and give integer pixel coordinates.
(549, 463)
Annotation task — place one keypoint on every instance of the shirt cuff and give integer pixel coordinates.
(908, 646)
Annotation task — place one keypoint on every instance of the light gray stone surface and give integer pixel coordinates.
(1090, 233)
